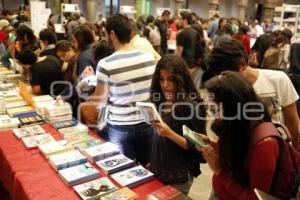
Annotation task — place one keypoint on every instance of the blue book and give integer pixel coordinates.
(78, 174)
(101, 151)
(115, 164)
(67, 159)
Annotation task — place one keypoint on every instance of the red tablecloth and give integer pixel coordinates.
(26, 174)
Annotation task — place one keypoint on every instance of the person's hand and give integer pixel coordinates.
(163, 129)
(211, 155)
(88, 71)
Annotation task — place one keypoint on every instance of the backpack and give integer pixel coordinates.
(153, 36)
(279, 131)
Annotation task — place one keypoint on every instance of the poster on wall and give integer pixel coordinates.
(39, 15)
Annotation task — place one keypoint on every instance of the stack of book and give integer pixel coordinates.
(14, 102)
(101, 151)
(20, 112)
(115, 164)
(133, 176)
(7, 86)
(78, 174)
(36, 140)
(13, 78)
(9, 93)
(57, 113)
(64, 124)
(2, 105)
(66, 160)
(42, 98)
(41, 107)
(121, 194)
(54, 148)
(81, 146)
(74, 130)
(95, 189)
(8, 123)
(28, 131)
(78, 138)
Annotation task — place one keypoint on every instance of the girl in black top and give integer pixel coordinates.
(174, 159)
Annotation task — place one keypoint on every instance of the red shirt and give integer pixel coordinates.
(260, 170)
(3, 38)
(245, 40)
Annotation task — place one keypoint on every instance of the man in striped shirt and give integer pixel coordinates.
(124, 78)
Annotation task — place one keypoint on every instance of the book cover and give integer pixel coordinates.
(67, 159)
(87, 144)
(42, 98)
(95, 189)
(133, 176)
(77, 138)
(167, 193)
(64, 124)
(34, 120)
(193, 137)
(55, 148)
(121, 194)
(148, 111)
(78, 174)
(115, 163)
(79, 128)
(28, 131)
(101, 151)
(35, 140)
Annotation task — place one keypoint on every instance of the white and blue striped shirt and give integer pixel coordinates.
(128, 76)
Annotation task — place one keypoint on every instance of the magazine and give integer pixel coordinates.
(148, 111)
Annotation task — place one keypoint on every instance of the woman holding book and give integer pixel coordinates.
(249, 153)
(174, 159)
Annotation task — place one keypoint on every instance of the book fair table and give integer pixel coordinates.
(26, 174)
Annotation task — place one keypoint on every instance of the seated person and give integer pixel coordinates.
(43, 72)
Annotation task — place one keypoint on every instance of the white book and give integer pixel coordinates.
(133, 176)
(115, 163)
(35, 140)
(95, 189)
(77, 129)
(42, 98)
(28, 131)
(67, 159)
(78, 174)
(148, 111)
(101, 151)
(55, 148)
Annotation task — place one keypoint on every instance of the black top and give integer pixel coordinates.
(85, 59)
(171, 163)
(261, 45)
(163, 29)
(46, 72)
(294, 58)
(187, 38)
(48, 52)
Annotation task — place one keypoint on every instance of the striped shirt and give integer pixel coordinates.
(128, 76)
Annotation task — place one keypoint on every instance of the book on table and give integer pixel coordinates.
(149, 112)
(81, 146)
(7, 122)
(133, 176)
(56, 147)
(28, 131)
(77, 138)
(78, 174)
(101, 151)
(167, 193)
(77, 129)
(42, 98)
(95, 189)
(66, 160)
(121, 194)
(35, 140)
(115, 163)
(19, 112)
(64, 124)
(29, 121)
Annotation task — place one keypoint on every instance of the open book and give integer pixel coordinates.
(149, 111)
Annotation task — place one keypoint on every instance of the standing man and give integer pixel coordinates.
(124, 78)
(162, 24)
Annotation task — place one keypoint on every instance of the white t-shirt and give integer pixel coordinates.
(276, 90)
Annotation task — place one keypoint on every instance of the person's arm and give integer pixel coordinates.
(262, 165)
(179, 50)
(292, 122)
(179, 43)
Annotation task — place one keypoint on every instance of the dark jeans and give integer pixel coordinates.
(135, 141)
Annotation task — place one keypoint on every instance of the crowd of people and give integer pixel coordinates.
(129, 61)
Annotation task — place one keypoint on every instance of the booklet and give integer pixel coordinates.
(193, 137)
(149, 111)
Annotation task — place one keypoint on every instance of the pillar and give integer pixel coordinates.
(269, 10)
(242, 4)
(91, 10)
(178, 5)
(213, 8)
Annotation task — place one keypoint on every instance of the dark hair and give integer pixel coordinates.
(48, 35)
(233, 92)
(91, 26)
(23, 31)
(220, 22)
(187, 16)
(26, 57)
(120, 25)
(101, 50)
(150, 19)
(226, 56)
(243, 29)
(63, 45)
(83, 35)
(182, 79)
(166, 13)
